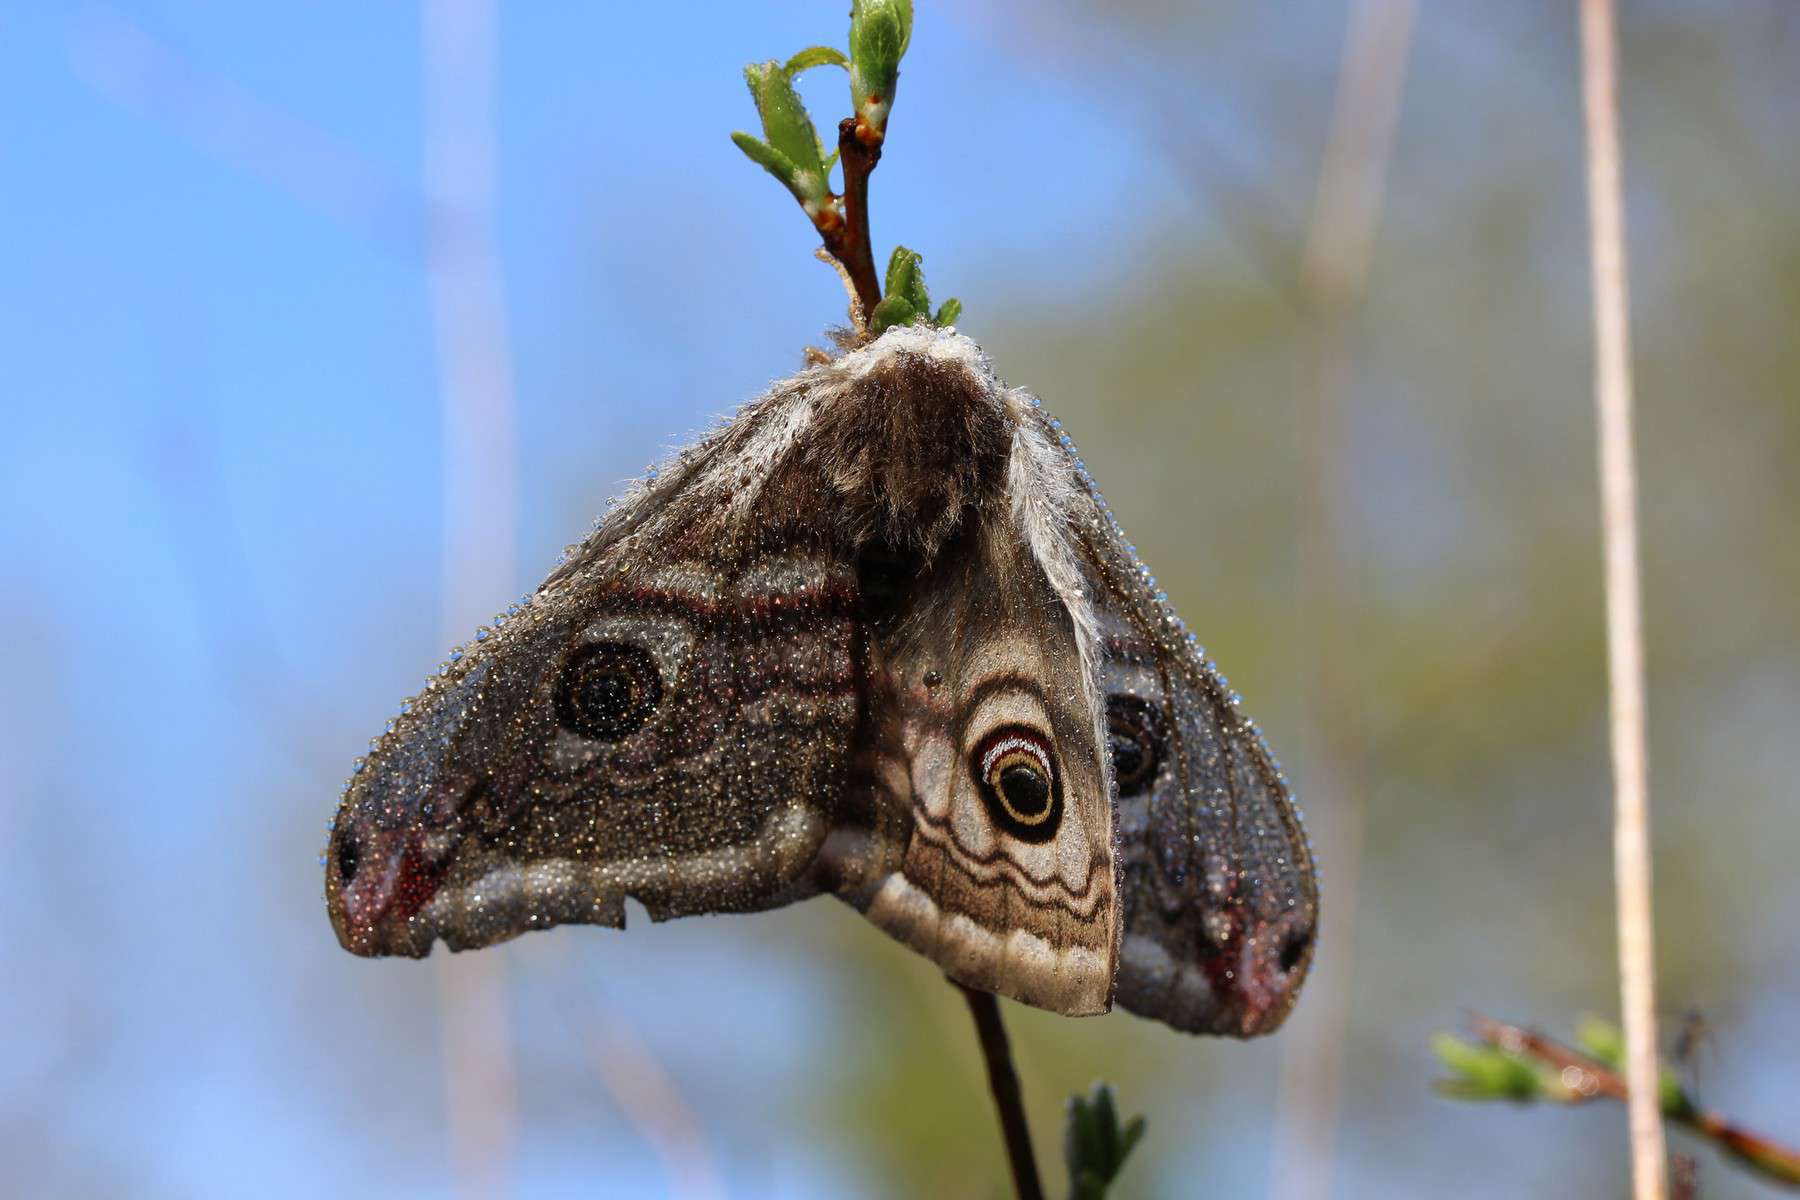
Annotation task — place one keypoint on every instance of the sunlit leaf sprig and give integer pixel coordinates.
(907, 300)
(1510, 1062)
(793, 152)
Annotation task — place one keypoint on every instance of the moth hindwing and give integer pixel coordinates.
(870, 637)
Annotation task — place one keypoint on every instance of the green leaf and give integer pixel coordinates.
(790, 134)
(764, 156)
(886, 19)
(903, 275)
(1134, 1133)
(892, 311)
(1106, 1127)
(1087, 1186)
(1095, 1146)
(880, 31)
(1483, 1072)
(906, 277)
(1081, 1142)
(1602, 1040)
(817, 56)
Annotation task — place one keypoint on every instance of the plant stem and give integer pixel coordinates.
(1334, 271)
(1005, 1084)
(1624, 616)
(849, 242)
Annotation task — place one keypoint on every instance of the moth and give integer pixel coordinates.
(877, 636)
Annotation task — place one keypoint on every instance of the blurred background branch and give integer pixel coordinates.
(1333, 270)
(1511, 1062)
(474, 358)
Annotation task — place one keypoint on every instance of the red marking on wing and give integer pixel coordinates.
(416, 883)
(397, 879)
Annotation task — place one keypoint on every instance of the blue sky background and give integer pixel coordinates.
(222, 542)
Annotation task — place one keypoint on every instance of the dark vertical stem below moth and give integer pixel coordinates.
(850, 244)
(1005, 1084)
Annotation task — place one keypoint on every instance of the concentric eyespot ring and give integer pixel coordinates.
(1016, 775)
(608, 691)
(1136, 734)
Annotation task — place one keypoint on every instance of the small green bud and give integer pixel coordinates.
(906, 278)
(880, 31)
(947, 313)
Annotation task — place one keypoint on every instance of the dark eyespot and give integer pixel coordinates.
(608, 691)
(347, 856)
(1016, 775)
(1137, 736)
(1294, 949)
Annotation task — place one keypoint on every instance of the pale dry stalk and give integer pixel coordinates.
(1624, 615)
(1340, 240)
(475, 387)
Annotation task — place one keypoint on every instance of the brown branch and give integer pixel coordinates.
(1586, 1078)
(848, 240)
(1005, 1084)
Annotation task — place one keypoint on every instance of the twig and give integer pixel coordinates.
(859, 316)
(1340, 239)
(1624, 618)
(1587, 1078)
(648, 1096)
(461, 153)
(1091, 54)
(849, 242)
(1005, 1084)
